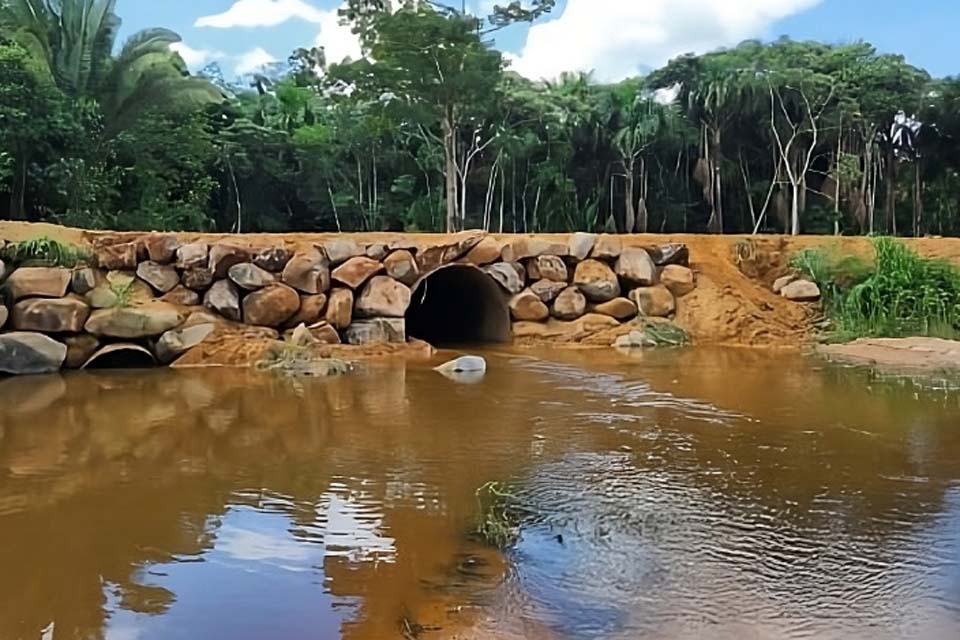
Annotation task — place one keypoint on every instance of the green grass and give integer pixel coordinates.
(45, 252)
(901, 294)
(497, 521)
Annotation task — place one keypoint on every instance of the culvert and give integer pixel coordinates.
(458, 304)
(121, 355)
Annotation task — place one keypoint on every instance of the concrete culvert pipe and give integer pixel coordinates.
(122, 355)
(458, 304)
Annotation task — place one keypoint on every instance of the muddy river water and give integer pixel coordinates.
(681, 495)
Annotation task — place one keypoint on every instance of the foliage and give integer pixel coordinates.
(300, 362)
(834, 272)
(45, 251)
(497, 519)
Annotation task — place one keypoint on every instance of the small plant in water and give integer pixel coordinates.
(290, 360)
(45, 252)
(498, 521)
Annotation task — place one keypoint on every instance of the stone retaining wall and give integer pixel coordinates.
(167, 295)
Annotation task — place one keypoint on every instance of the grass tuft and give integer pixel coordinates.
(45, 252)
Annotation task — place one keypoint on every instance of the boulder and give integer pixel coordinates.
(38, 282)
(273, 259)
(117, 256)
(356, 271)
(250, 277)
(619, 308)
(506, 276)
(377, 331)
(580, 245)
(145, 321)
(467, 369)
(635, 267)
(25, 353)
(780, 283)
(801, 291)
(634, 340)
(324, 333)
(486, 252)
(161, 248)
(83, 281)
(177, 342)
(607, 247)
(3, 268)
(597, 281)
(383, 297)
(339, 250)
(520, 269)
(527, 306)
(525, 247)
(224, 298)
(376, 251)
(102, 297)
(402, 266)
(161, 277)
(45, 315)
(548, 290)
(340, 308)
(198, 279)
(678, 254)
(193, 255)
(547, 267)
(569, 305)
(300, 336)
(680, 280)
(431, 257)
(574, 331)
(270, 306)
(79, 349)
(3, 315)
(223, 256)
(181, 296)
(308, 272)
(654, 302)
(311, 310)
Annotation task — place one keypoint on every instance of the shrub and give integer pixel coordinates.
(45, 251)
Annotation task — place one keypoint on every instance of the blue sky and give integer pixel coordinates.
(615, 38)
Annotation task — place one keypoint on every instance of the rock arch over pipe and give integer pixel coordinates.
(458, 304)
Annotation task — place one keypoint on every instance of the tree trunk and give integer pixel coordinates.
(891, 204)
(18, 190)
(795, 210)
(630, 209)
(917, 198)
(450, 170)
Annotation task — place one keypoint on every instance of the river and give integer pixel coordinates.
(674, 495)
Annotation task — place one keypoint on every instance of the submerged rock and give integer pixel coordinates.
(468, 369)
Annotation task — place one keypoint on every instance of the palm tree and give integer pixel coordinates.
(73, 40)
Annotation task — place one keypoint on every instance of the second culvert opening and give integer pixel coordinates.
(458, 304)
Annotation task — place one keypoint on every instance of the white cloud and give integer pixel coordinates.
(337, 40)
(620, 38)
(195, 58)
(252, 60)
(262, 13)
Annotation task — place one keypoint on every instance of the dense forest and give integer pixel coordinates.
(431, 131)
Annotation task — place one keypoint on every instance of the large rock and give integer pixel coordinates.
(224, 255)
(308, 272)
(607, 248)
(383, 297)
(356, 271)
(177, 342)
(38, 282)
(402, 266)
(376, 251)
(273, 259)
(376, 331)
(250, 277)
(525, 247)
(339, 250)
(61, 315)
(547, 267)
(466, 369)
(527, 306)
(161, 277)
(198, 279)
(324, 333)
(24, 353)
(654, 302)
(270, 306)
(161, 248)
(79, 349)
(4, 313)
(801, 291)
(311, 310)
(680, 280)
(636, 268)
(569, 305)
(678, 254)
(83, 281)
(506, 276)
(3, 268)
(193, 255)
(144, 321)
(224, 298)
(548, 290)
(181, 296)
(783, 281)
(117, 256)
(619, 308)
(340, 308)
(597, 281)
(567, 331)
(486, 252)
(433, 256)
(580, 245)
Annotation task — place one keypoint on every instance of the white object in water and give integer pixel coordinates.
(466, 369)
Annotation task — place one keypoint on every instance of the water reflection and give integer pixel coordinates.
(685, 495)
